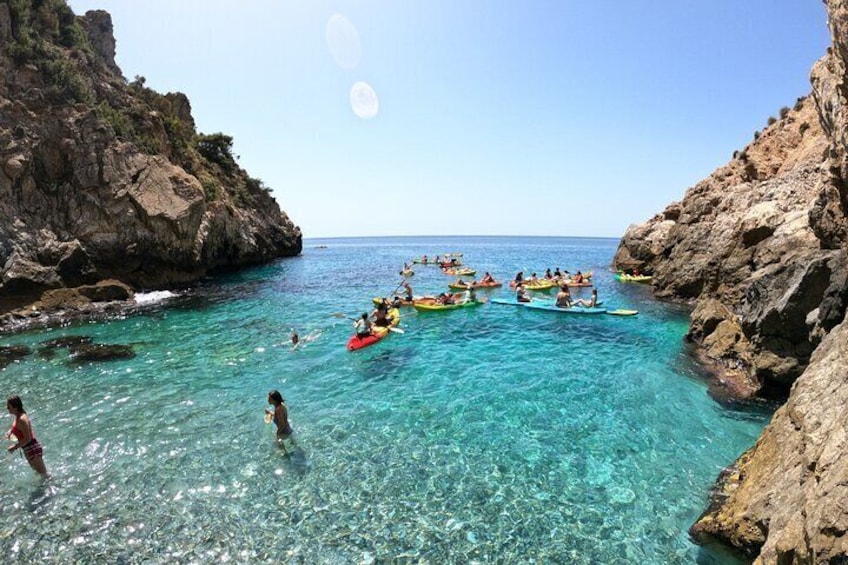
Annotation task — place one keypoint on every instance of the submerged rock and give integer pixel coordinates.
(102, 352)
(11, 353)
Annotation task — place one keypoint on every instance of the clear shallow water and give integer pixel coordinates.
(488, 434)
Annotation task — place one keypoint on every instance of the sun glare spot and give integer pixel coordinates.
(364, 100)
(343, 42)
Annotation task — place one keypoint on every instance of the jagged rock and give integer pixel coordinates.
(103, 179)
(98, 27)
(79, 297)
(761, 247)
(784, 500)
(749, 245)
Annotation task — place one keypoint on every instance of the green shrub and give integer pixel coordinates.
(120, 122)
(211, 190)
(784, 112)
(67, 84)
(771, 120)
(217, 148)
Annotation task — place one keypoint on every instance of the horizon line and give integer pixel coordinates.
(458, 235)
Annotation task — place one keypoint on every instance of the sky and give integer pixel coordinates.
(461, 117)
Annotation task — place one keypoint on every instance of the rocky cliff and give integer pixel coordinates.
(104, 178)
(759, 247)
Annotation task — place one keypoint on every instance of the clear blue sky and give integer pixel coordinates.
(551, 117)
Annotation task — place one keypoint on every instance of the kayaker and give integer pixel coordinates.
(548, 274)
(445, 298)
(591, 303)
(472, 294)
(519, 278)
(408, 296)
(381, 316)
(557, 273)
(534, 279)
(521, 294)
(363, 325)
(295, 339)
(563, 298)
(578, 278)
(487, 278)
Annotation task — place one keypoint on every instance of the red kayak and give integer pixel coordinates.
(377, 333)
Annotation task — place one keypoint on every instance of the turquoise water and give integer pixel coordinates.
(488, 434)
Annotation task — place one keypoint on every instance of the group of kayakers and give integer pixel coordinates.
(557, 277)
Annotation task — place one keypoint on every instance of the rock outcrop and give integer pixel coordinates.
(101, 178)
(760, 249)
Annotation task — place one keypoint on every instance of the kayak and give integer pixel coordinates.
(435, 307)
(623, 277)
(427, 262)
(540, 284)
(377, 333)
(456, 286)
(407, 273)
(575, 284)
(463, 272)
(509, 301)
(551, 307)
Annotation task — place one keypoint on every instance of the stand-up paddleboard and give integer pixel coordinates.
(571, 310)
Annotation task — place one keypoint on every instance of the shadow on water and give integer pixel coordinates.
(41, 494)
(388, 363)
(717, 554)
(294, 455)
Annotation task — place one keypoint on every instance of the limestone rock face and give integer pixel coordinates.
(784, 501)
(100, 178)
(744, 237)
(760, 248)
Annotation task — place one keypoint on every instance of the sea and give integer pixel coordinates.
(492, 434)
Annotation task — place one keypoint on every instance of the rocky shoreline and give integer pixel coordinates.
(761, 250)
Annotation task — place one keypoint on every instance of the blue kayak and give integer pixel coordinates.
(573, 310)
(551, 306)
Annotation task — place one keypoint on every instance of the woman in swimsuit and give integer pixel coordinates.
(591, 303)
(22, 430)
(280, 415)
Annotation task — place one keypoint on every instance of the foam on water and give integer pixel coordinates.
(153, 296)
(489, 434)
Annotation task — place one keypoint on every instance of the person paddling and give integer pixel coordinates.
(362, 326)
(408, 295)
